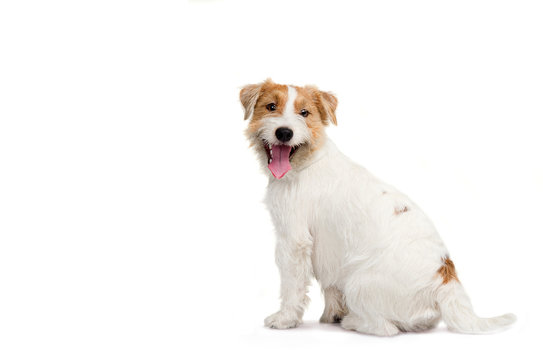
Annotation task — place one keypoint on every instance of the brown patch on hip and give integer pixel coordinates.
(398, 211)
(447, 271)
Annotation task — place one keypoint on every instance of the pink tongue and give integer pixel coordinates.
(280, 164)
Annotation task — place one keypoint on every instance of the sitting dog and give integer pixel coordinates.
(382, 266)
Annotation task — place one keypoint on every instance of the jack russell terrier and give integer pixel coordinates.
(382, 265)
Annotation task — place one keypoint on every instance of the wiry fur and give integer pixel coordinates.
(382, 266)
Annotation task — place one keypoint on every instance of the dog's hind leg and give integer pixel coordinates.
(334, 305)
(366, 301)
(422, 321)
(369, 324)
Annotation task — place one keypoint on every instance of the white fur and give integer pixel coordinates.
(374, 252)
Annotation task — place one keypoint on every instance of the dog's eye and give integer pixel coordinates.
(304, 113)
(271, 107)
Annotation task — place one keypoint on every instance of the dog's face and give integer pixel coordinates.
(287, 122)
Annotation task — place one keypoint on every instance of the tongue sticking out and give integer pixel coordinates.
(280, 163)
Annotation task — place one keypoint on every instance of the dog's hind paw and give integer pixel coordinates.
(282, 320)
(331, 318)
(372, 326)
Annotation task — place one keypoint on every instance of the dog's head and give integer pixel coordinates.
(286, 122)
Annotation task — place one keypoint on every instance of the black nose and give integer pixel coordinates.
(283, 134)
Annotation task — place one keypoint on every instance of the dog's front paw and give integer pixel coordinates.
(282, 320)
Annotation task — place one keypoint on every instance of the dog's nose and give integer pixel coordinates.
(283, 134)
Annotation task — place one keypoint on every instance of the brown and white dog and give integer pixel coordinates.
(382, 266)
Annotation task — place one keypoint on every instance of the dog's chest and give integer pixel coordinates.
(290, 203)
(301, 211)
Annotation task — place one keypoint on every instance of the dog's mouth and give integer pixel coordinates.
(279, 158)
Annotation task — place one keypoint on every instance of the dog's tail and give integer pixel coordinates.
(457, 312)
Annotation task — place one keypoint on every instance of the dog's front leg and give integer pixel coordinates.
(293, 257)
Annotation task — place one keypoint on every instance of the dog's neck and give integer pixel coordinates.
(318, 155)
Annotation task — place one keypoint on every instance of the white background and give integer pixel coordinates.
(131, 220)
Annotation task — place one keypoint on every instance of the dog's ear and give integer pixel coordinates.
(328, 105)
(248, 97)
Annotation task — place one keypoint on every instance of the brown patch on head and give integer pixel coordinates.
(256, 97)
(399, 210)
(321, 107)
(323, 103)
(270, 92)
(447, 271)
(308, 99)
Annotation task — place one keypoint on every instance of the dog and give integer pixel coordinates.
(382, 266)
